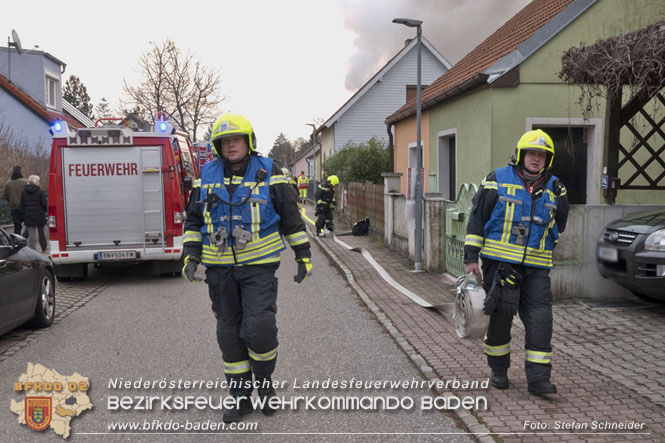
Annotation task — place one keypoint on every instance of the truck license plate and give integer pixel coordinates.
(608, 254)
(116, 255)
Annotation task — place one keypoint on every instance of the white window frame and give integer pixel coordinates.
(412, 153)
(594, 153)
(51, 80)
(446, 134)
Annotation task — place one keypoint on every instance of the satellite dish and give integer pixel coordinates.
(17, 42)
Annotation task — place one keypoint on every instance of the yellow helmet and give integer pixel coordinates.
(333, 180)
(536, 140)
(231, 124)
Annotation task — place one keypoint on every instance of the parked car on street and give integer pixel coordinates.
(631, 251)
(27, 289)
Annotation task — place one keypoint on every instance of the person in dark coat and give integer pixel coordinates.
(33, 204)
(12, 193)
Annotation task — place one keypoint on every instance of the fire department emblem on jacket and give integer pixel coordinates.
(38, 412)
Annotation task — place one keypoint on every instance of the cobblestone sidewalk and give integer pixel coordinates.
(69, 297)
(606, 360)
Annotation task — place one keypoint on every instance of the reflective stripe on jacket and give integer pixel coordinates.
(256, 216)
(303, 181)
(520, 221)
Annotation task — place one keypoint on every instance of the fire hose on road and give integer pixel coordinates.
(470, 321)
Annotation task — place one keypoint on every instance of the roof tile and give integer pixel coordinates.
(504, 40)
(47, 114)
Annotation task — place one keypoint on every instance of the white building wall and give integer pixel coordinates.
(21, 124)
(366, 118)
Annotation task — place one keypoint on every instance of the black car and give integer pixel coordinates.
(27, 289)
(631, 251)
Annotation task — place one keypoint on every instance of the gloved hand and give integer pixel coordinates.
(189, 270)
(304, 270)
(504, 294)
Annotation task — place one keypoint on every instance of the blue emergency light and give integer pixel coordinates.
(162, 126)
(57, 126)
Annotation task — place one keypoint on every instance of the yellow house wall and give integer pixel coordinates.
(406, 132)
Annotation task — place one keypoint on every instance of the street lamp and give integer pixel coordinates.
(418, 259)
(313, 142)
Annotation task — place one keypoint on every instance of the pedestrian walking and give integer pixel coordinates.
(34, 206)
(325, 203)
(240, 209)
(303, 183)
(12, 193)
(518, 214)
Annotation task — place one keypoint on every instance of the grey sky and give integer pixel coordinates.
(283, 64)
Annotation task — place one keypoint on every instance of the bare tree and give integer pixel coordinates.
(177, 84)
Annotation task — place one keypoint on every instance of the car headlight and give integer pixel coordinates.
(655, 241)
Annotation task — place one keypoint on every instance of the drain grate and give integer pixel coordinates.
(614, 303)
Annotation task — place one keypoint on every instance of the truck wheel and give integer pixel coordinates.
(45, 310)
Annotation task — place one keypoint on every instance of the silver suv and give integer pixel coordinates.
(631, 251)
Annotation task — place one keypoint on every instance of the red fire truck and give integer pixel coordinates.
(117, 195)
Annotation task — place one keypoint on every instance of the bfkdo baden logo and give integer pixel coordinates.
(38, 412)
(51, 400)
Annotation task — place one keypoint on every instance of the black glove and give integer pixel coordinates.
(304, 270)
(189, 270)
(504, 294)
(510, 292)
(493, 296)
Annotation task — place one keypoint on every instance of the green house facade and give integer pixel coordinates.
(477, 114)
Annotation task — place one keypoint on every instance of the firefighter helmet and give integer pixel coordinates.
(535, 140)
(286, 172)
(229, 125)
(333, 180)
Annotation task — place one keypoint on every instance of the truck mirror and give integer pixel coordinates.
(187, 183)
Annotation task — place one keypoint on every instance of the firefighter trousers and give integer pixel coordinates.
(535, 311)
(324, 216)
(244, 301)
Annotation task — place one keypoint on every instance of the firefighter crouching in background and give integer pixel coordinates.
(325, 203)
(303, 182)
(239, 209)
(516, 219)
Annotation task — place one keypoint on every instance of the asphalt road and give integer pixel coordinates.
(143, 327)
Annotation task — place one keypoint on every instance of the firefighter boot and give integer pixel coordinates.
(267, 394)
(242, 407)
(541, 387)
(499, 378)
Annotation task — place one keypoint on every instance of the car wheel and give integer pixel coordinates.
(45, 310)
(647, 297)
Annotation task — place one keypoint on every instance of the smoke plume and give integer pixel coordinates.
(454, 27)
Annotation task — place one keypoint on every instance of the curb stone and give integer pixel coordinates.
(479, 431)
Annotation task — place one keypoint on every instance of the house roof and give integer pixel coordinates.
(507, 47)
(62, 64)
(42, 111)
(78, 115)
(368, 85)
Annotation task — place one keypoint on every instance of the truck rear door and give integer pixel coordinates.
(113, 197)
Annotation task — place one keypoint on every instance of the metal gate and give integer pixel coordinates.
(457, 216)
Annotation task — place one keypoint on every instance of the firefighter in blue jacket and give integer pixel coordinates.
(517, 216)
(240, 209)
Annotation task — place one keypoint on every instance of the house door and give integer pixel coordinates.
(445, 173)
(570, 160)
